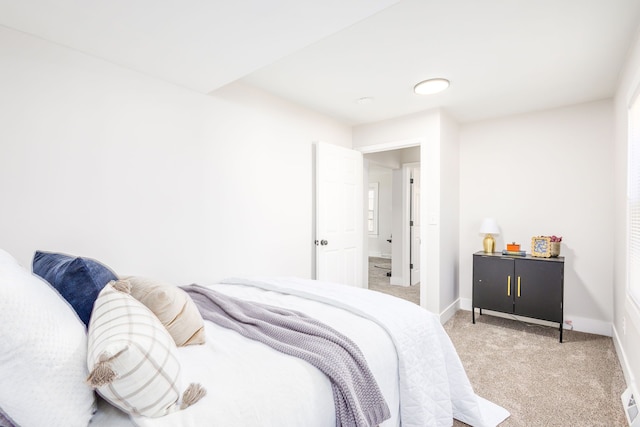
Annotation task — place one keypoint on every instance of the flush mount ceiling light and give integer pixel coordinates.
(431, 86)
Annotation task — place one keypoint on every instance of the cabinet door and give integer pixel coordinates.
(539, 291)
(493, 283)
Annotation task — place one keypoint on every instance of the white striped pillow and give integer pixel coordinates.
(132, 359)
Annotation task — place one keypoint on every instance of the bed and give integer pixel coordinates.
(247, 383)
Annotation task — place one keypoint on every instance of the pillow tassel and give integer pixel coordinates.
(102, 374)
(121, 285)
(192, 394)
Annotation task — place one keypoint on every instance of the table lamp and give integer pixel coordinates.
(489, 227)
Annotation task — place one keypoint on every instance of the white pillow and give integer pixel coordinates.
(42, 353)
(6, 258)
(132, 358)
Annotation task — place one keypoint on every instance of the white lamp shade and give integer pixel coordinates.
(489, 226)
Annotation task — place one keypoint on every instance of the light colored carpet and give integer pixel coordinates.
(540, 381)
(523, 368)
(378, 281)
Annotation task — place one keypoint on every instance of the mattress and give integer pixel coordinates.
(250, 384)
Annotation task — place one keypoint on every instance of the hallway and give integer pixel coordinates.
(379, 281)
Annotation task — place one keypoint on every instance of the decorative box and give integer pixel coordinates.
(541, 246)
(513, 247)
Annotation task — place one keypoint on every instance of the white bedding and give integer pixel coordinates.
(250, 384)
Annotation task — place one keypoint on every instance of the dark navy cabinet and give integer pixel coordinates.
(524, 286)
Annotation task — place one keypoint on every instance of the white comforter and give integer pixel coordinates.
(249, 384)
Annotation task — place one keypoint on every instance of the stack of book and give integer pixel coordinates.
(514, 253)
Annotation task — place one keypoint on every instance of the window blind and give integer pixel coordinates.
(633, 202)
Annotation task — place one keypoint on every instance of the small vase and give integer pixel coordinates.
(554, 249)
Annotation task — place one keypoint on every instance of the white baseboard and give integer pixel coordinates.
(449, 311)
(626, 370)
(397, 281)
(622, 357)
(465, 304)
(580, 324)
(591, 326)
(378, 254)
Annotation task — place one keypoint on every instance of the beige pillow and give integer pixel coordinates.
(174, 308)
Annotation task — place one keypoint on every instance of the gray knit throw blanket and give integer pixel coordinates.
(356, 395)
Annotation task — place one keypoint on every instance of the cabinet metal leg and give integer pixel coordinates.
(561, 332)
(473, 314)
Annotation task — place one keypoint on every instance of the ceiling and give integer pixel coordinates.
(199, 44)
(502, 57)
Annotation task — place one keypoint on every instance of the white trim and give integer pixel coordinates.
(590, 326)
(406, 215)
(450, 311)
(378, 254)
(397, 281)
(393, 145)
(580, 324)
(427, 289)
(622, 357)
(521, 319)
(465, 304)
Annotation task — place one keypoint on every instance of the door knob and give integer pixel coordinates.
(324, 242)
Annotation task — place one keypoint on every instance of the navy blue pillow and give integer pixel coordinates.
(79, 280)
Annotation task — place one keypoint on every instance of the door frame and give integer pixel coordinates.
(408, 169)
(396, 145)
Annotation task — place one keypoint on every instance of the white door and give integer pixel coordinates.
(415, 226)
(339, 215)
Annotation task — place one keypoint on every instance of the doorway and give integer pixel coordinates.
(392, 218)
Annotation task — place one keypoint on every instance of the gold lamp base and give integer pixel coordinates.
(489, 244)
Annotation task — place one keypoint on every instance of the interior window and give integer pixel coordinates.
(633, 202)
(372, 212)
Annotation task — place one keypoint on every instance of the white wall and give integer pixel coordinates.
(397, 223)
(543, 174)
(423, 127)
(450, 213)
(378, 244)
(627, 316)
(148, 177)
